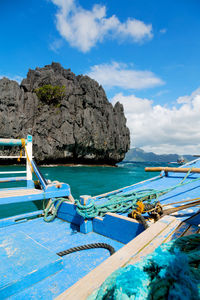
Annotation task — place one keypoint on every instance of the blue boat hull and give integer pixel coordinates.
(30, 268)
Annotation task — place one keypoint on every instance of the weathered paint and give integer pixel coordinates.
(60, 235)
(40, 178)
(11, 142)
(12, 179)
(19, 218)
(117, 227)
(86, 226)
(195, 220)
(67, 212)
(23, 262)
(51, 192)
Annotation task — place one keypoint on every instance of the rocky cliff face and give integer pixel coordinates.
(83, 128)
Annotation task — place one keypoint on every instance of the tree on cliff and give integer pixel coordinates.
(51, 94)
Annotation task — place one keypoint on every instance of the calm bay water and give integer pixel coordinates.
(83, 180)
(87, 180)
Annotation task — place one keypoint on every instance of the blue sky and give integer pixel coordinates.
(146, 54)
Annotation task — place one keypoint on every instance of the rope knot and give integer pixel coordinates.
(140, 207)
(23, 141)
(87, 211)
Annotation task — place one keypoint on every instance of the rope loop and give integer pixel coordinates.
(52, 207)
(87, 211)
(23, 141)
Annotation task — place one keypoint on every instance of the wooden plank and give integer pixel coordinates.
(85, 286)
(172, 210)
(195, 219)
(157, 241)
(182, 228)
(191, 230)
(125, 218)
(28, 194)
(20, 192)
(12, 179)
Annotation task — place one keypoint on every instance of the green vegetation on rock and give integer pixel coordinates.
(50, 94)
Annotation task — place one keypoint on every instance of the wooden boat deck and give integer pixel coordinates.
(60, 235)
(51, 238)
(17, 195)
(166, 229)
(19, 192)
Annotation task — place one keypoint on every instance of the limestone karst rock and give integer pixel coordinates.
(83, 127)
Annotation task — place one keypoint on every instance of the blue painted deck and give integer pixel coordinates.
(54, 237)
(43, 240)
(21, 264)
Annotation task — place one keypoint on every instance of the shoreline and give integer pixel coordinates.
(64, 165)
(76, 165)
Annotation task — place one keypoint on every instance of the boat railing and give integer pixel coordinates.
(23, 143)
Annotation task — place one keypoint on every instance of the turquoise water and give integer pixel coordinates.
(83, 180)
(87, 180)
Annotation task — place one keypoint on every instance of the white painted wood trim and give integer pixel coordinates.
(29, 153)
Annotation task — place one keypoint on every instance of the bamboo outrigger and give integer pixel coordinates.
(174, 170)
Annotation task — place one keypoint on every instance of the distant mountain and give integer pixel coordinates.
(137, 154)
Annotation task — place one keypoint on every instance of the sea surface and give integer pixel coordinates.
(83, 180)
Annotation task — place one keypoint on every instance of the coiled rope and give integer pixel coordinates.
(86, 247)
(23, 141)
(172, 271)
(154, 211)
(126, 202)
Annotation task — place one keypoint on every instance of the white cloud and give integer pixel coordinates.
(189, 98)
(120, 75)
(84, 28)
(161, 129)
(13, 77)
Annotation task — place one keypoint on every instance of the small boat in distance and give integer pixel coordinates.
(180, 161)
